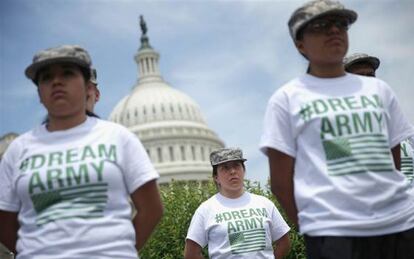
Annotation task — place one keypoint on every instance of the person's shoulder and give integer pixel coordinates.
(286, 88)
(258, 196)
(261, 198)
(208, 204)
(211, 201)
(112, 126)
(371, 84)
(381, 83)
(21, 141)
(367, 79)
(292, 84)
(105, 123)
(29, 135)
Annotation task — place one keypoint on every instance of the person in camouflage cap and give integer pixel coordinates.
(75, 172)
(361, 64)
(318, 130)
(212, 222)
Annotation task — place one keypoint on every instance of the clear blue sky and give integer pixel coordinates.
(229, 56)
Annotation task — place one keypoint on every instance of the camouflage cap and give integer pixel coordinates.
(314, 9)
(225, 155)
(65, 53)
(94, 76)
(359, 58)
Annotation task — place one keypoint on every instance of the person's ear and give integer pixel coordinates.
(89, 85)
(300, 46)
(89, 90)
(97, 94)
(215, 178)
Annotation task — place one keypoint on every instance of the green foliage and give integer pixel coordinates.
(181, 199)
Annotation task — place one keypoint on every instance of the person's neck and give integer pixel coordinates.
(232, 194)
(327, 70)
(64, 122)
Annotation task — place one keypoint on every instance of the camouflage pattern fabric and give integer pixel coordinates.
(65, 53)
(314, 9)
(361, 57)
(225, 155)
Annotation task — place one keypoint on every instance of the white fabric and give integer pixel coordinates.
(340, 132)
(71, 188)
(407, 159)
(244, 227)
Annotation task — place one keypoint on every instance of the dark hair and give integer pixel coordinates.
(86, 73)
(214, 170)
(300, 32)
(92, 114)
(299, 36)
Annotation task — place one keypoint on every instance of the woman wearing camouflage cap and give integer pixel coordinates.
(65, 185)
(234, 223)
(331, 138)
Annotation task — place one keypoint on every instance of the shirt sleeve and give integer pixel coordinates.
(279, 225)
(9, 200)
(196, 230)
(398, 125)
(137, 166)
(277, 133)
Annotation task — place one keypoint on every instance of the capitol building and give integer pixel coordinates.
(168, 122)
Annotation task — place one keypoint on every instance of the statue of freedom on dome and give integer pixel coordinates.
(143, 25)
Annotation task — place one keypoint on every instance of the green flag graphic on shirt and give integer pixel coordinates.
(407, 160)
(84, 201)
(358, 154)
(407, 168)
(247, 241)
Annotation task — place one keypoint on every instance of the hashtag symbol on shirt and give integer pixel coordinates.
(219, 218)
(306, 112)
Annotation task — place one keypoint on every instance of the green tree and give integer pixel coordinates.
(181, 199)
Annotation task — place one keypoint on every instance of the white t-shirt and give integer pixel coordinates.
(407, 159)
(244, 227)
(340, 132)
(71, 188)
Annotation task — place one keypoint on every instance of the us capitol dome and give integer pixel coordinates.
(168, 122)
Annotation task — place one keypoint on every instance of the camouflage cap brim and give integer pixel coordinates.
(373, 61)
(31, 71)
